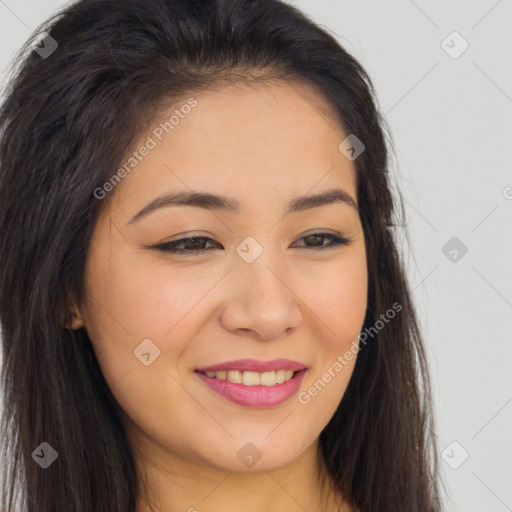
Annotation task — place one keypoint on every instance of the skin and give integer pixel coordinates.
(263, 147)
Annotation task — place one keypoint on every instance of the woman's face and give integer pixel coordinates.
(262, 291)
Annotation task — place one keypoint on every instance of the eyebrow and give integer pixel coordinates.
(215, 202)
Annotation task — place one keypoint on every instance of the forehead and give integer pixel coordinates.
(257, 144)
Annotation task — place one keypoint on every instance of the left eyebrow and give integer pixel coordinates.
(215, 202)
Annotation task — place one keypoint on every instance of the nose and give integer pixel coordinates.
(263, 303)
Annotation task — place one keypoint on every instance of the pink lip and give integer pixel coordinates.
(254, 365)
(254, 396)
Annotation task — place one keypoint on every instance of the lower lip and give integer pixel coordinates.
(255, 396)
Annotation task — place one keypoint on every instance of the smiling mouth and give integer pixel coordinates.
(249, 378)
(254, 389)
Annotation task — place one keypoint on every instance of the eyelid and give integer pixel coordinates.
(185, 235)
(337, 240)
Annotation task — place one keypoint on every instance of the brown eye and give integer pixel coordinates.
(195, 246)
(317, 238)
(191, 246)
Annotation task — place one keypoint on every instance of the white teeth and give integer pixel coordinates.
(235, 376)
(253, 378)
(268, 378)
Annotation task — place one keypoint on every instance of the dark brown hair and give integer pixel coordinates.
(65, 125)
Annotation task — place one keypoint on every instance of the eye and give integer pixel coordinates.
(192, 246)
(318, 237)
(195, 246)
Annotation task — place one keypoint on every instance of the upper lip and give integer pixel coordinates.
(254, 365)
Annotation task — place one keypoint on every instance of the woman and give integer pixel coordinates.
(202, 303)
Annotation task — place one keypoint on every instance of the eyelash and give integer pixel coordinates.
(171, 246)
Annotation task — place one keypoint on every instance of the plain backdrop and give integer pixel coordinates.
(443, 76)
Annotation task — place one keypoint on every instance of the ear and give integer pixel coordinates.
(73, 318)
(77, 321)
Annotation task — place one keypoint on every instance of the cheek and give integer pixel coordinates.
(339, 302)
(338, 299)
(130, 306)
(130, 303)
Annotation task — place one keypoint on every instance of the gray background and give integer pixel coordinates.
(451, 121)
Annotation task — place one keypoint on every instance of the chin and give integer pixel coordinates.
(254, 456)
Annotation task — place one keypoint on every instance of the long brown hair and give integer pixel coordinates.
(68, 119)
